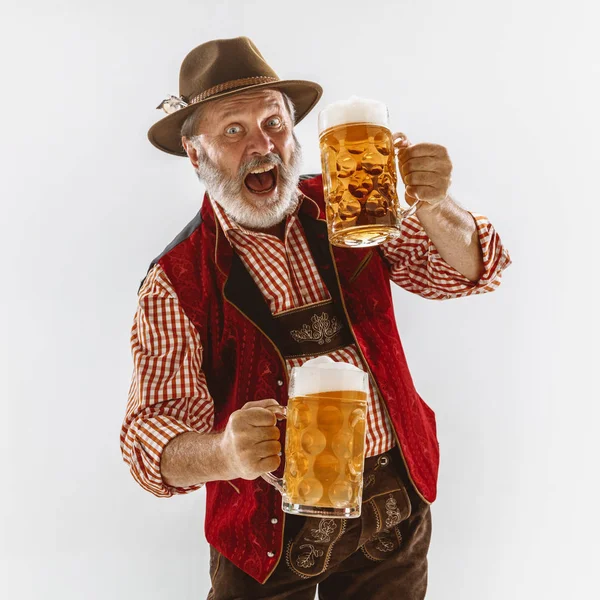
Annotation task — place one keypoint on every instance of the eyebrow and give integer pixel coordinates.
(236, 111)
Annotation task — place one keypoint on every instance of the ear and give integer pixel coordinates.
(190, 150)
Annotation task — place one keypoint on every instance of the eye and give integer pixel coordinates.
(233, 130)
(274, 122)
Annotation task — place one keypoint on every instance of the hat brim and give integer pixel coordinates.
(166, 133)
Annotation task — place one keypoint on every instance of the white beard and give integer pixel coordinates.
(227, 190)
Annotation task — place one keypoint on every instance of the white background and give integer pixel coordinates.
(510, 88)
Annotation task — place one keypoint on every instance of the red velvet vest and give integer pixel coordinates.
(242, 363)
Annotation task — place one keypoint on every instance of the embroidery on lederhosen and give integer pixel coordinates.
(312, 558)
(393, 516)
(388, 538)
(383, 541)
(324, 532)
(369, 481)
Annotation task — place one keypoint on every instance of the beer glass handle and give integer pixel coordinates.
(407, 212)
(403, 213)
(276, 482)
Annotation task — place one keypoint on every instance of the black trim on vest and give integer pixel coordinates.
(318, 243)
(241, 290)
(183, 235)
(305, 177)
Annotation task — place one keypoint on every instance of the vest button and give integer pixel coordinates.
(270, 554)
(280, 382)
(274, 521)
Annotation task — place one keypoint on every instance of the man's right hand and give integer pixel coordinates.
(250, 441)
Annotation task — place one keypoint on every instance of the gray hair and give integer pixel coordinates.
(190, 125)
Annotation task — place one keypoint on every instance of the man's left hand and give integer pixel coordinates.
(425, 170)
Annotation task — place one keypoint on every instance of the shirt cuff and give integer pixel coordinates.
(495, 259)
(150, 438)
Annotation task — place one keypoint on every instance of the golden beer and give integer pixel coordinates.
(325, 449)
(324, 440)
(359, 174)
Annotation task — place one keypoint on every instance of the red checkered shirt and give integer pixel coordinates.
(169, 394)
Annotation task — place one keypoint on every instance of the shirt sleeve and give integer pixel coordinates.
(416, 265)
(168, 393)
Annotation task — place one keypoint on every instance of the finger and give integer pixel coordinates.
(425, 163)
(271, 463)
(259, 417)
(423, 192)
(279, 411)
(426, 178)
(418, 150)
(265, 434)
(268, 448)
(262, 403)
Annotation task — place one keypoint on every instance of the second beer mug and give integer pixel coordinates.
(359, 174)
(325, 440)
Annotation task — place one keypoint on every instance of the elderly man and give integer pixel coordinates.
(210, 363)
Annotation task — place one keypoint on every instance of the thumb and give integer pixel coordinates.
(400, 140)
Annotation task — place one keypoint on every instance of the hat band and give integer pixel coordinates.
(228, 85)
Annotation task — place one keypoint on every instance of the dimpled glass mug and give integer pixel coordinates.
(325, 440)
(359, 174)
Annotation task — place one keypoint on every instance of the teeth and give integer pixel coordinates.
(262, 169)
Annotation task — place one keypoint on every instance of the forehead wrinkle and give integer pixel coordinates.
(241, 111)
(240, 104)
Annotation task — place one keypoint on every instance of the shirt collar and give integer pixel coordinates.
(228, 223)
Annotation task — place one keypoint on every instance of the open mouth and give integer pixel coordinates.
(262, 180)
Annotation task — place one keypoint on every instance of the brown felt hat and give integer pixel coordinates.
(217, 69)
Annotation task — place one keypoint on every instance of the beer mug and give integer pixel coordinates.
(359, 174)
(325, 440)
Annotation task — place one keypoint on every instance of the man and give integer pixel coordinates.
(211, 360)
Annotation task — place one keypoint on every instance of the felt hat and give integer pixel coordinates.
(217, 69)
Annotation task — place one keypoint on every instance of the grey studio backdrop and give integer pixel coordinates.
(510, 88)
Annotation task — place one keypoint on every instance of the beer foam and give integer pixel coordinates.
(323, 374)
(353, 110)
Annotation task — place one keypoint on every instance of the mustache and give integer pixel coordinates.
(270, 159)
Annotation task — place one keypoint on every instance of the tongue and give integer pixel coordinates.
(259, 182)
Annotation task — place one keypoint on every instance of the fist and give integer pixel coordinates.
(251, 439)
(425, 168)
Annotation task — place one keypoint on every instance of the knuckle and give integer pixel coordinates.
(272, 463)
(269, 448)
(422, 192)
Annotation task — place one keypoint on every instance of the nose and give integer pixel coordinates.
(259, 142)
